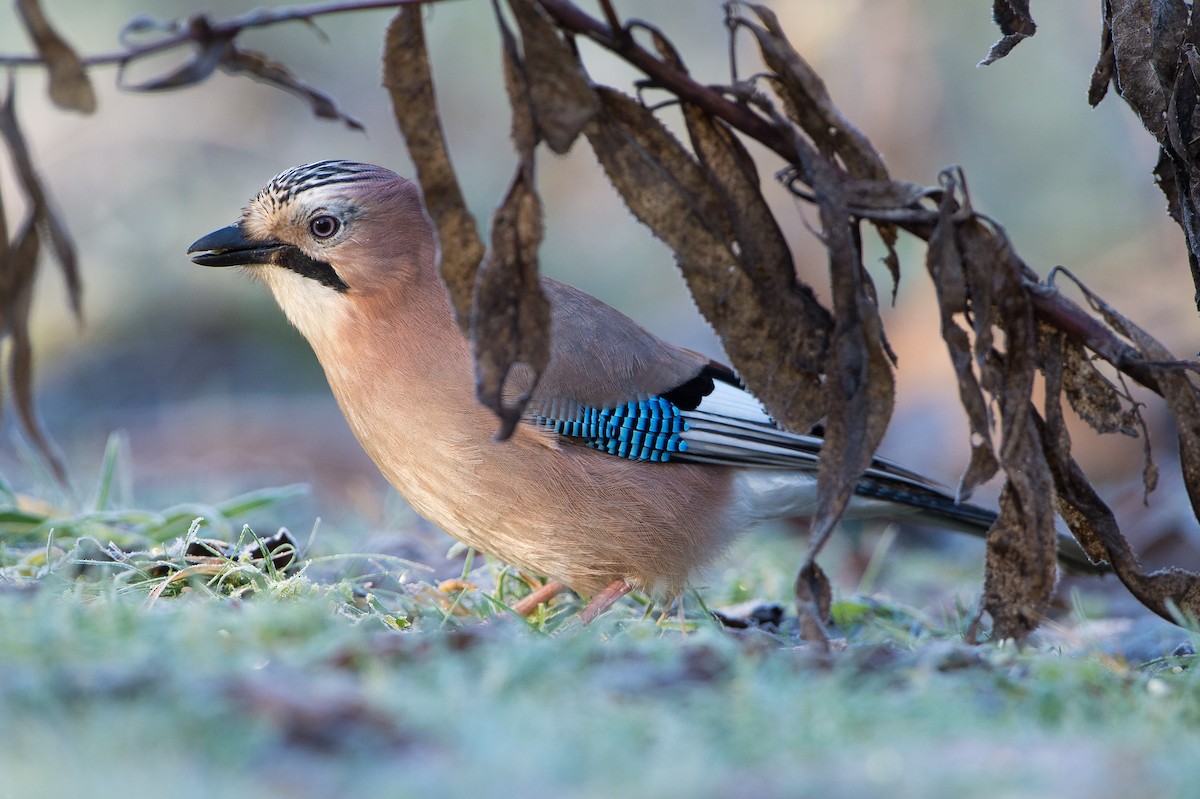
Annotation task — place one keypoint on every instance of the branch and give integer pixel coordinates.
(199, 26)
(671, 78)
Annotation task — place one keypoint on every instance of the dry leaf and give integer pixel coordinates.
(1106, 63)
(1134, 52)
(560, 95)
(808, 102)
(1015, 22)
(407, 77)
(273, 73)
(945, 263)
(217, 49)
(859, 387)
(775, 338)
(18, 271)
(69, 85)
(511, 321)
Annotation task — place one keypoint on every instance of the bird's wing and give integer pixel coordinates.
(613, 386)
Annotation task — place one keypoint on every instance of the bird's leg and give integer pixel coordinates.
(548, 590)
(604, 600)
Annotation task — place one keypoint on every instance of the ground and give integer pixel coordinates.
(136, 662)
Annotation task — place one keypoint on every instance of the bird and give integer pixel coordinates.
(636, 462)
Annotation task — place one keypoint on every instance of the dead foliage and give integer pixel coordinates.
(1002, 326)
(212, 45)
(1148, 52)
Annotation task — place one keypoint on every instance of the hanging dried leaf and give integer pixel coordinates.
(1019, 568)
(525, 133)
(215, 48)
(69, 85)
(1056, 441)
(511, 321)
(560, 95)
(945, 264)
(773, 337)
(1018, 571)
(859, 387)
(1167, 592)
(18, 270)
(1106, 64)
(1178, 171)
(1177, 388)
(407, 77)
(258, 66)
(1015, 22)
(44, 214)
(808, 103)
(1091, 395)
(1149, 50)
(759, 247)
(1134, 52)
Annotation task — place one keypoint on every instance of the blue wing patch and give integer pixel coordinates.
(643, 430)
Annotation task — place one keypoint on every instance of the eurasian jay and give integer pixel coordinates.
(637, 461)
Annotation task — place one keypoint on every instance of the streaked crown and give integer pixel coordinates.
(290, 183)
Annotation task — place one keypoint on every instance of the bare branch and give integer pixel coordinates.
(186, 34)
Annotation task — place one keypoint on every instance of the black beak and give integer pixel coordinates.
(228, 247)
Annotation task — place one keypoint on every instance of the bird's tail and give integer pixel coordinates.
(942, 511)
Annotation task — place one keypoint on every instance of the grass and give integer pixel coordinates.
(119, 677)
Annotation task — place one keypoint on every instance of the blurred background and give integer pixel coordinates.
(217, 394)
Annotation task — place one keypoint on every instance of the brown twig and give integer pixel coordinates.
(221, 28)
(669, 77)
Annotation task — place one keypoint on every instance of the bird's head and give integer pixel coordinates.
(324, 231)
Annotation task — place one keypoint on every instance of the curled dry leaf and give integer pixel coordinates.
(1167, 592)
(1135, 26)
(1015, 22)
(407, 77)
(859, 386)
(807, 101)
(69, 84)
(814, 600)
(1056, 444)
(1177, 387)
(18, 271)
(775, 338)
(511, 317)
(44, 213)
(215, 49)
(761, 251)
(273, 73)
(1106, 63)
(1149, 51)
(1019, 571)
(1091, 395)
(560, 96)
(945, 263)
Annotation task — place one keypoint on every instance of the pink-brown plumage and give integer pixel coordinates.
(350, 256)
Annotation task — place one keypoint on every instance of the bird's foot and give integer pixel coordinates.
(604, 600)
(528, 604)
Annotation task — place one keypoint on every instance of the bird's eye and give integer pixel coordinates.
(324, 226)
